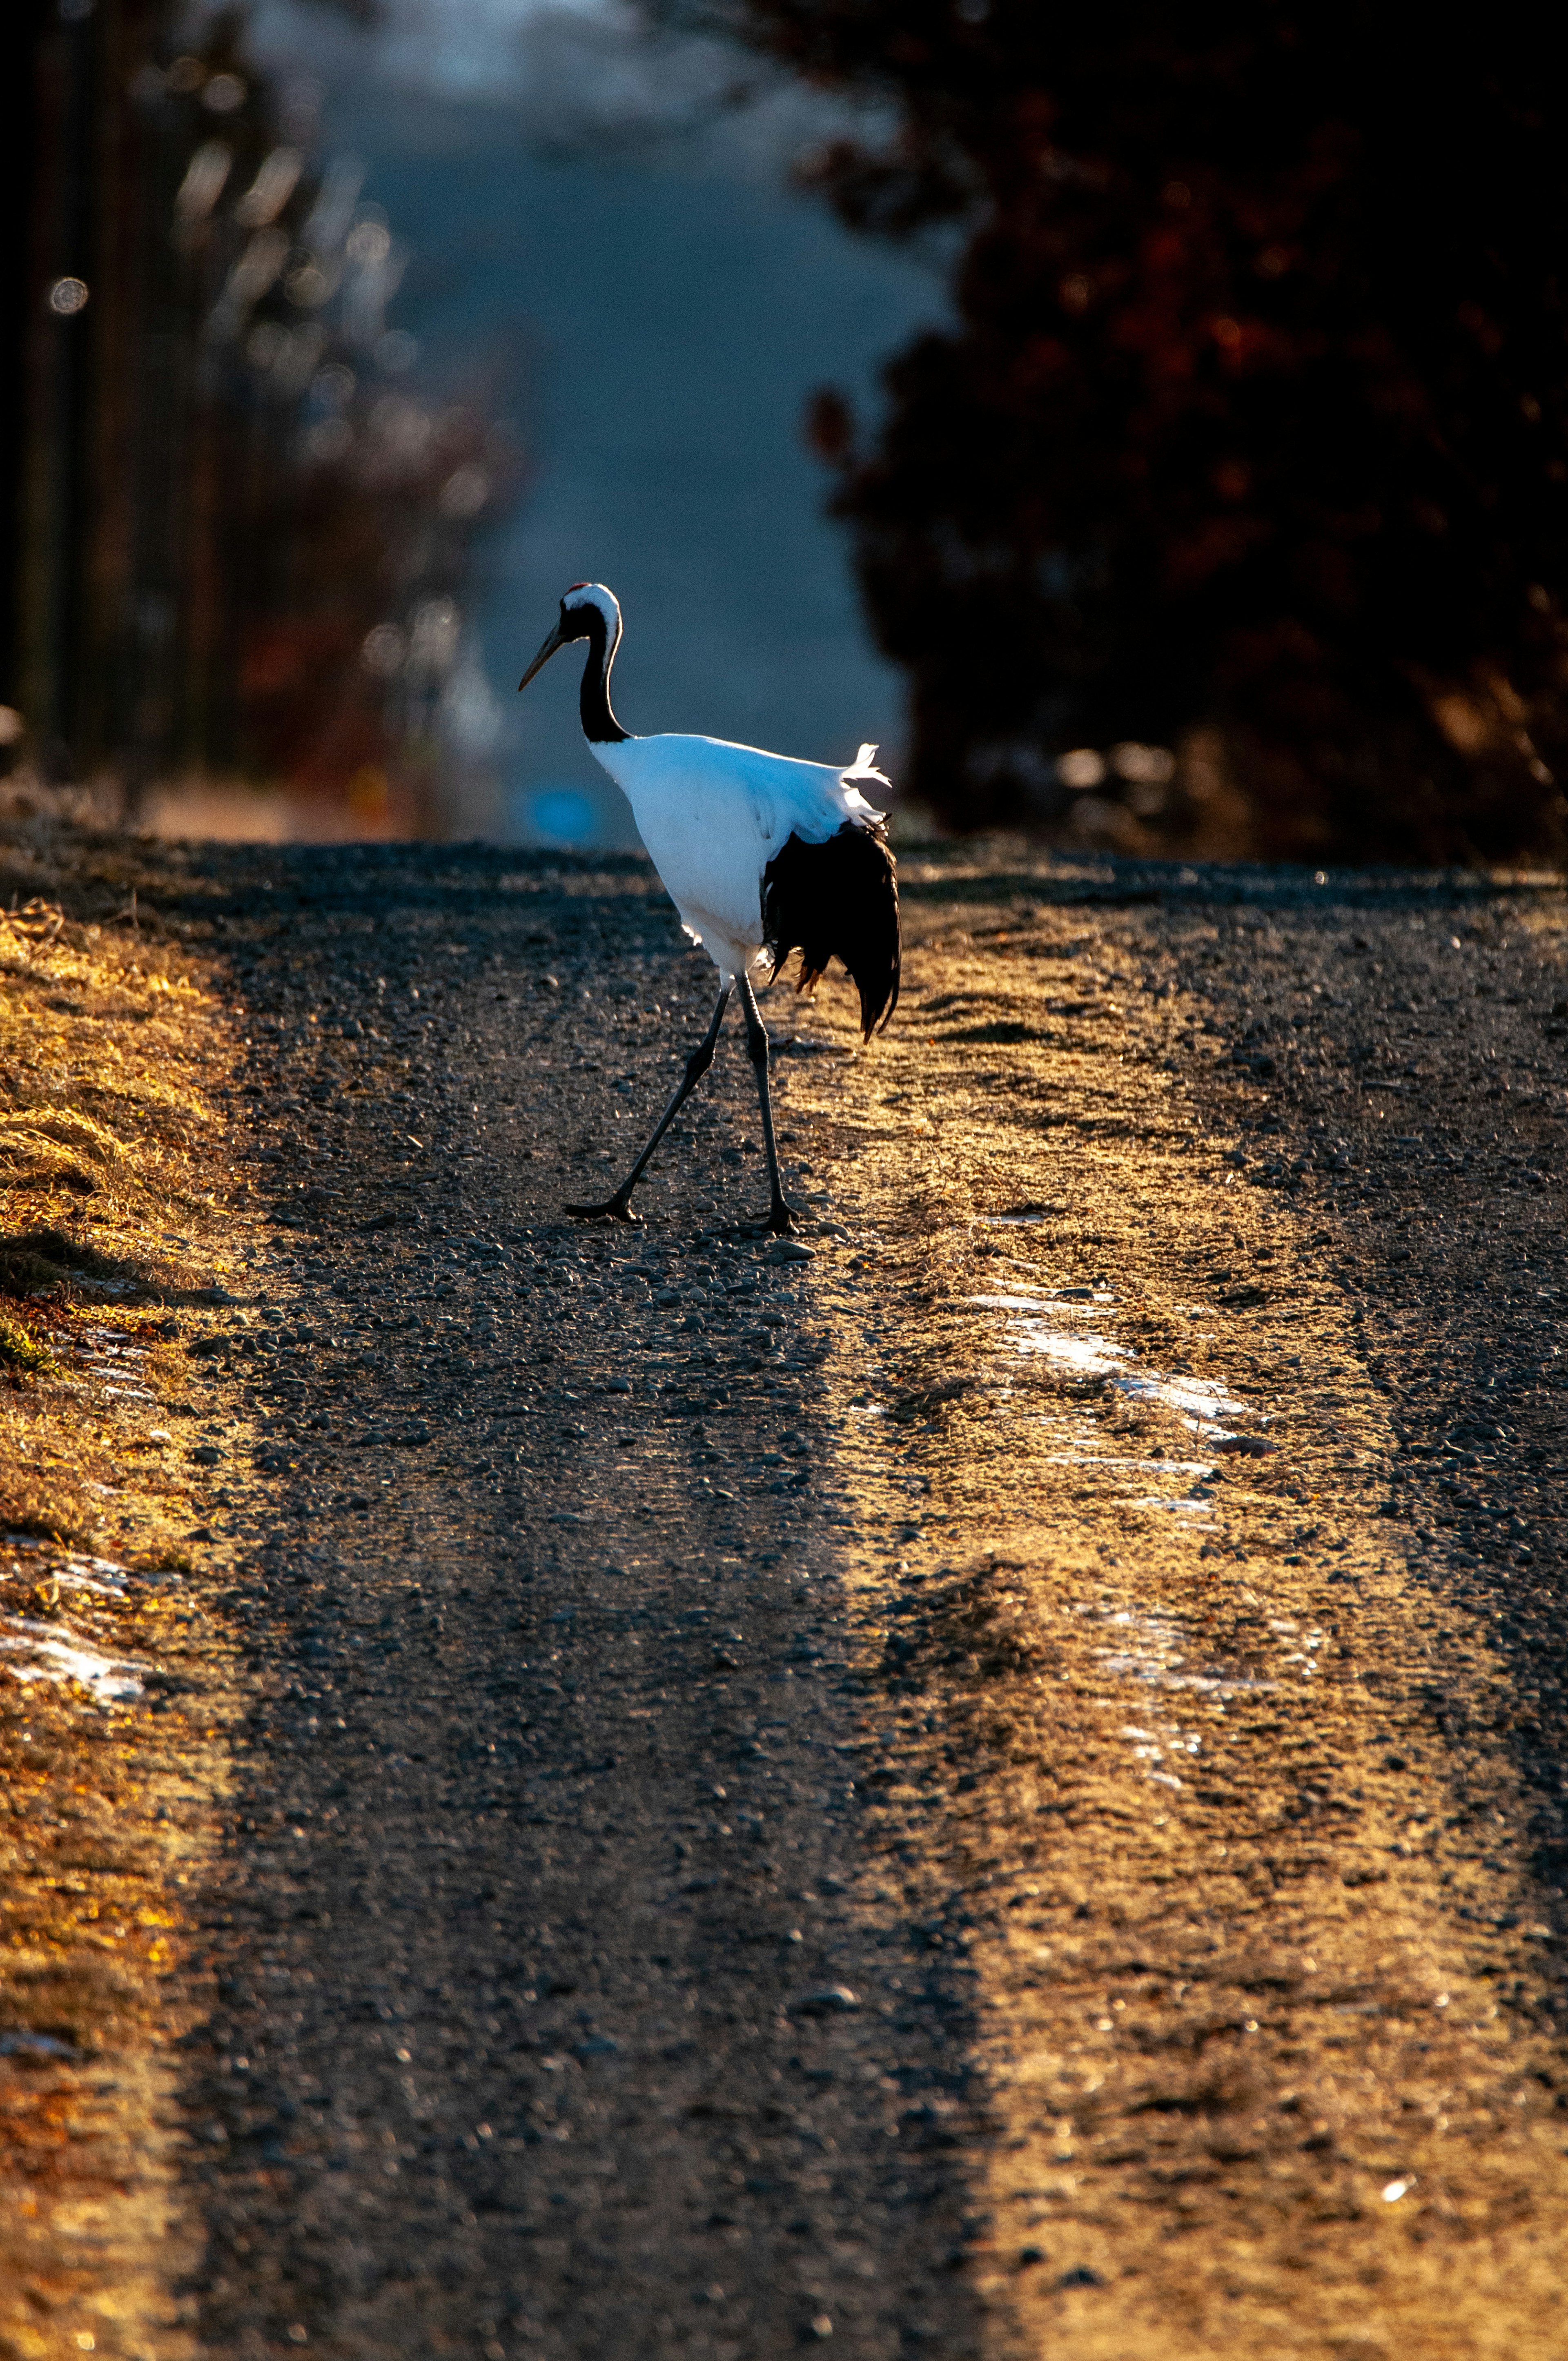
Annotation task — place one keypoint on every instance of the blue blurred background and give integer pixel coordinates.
(595, 224)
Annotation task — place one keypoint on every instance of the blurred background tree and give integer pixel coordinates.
(1230, 512)
(241, 531)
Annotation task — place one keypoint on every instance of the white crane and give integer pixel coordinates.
(760, 854)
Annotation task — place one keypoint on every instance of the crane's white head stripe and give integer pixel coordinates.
(593, 594)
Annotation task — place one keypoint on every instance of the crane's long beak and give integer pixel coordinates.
(542, 658)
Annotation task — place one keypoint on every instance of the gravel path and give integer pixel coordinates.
(998, 1788)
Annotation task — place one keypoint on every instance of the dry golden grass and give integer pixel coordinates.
(114, 1223)
(111, 1195)
(102, 1079)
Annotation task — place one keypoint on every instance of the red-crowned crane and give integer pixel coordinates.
(760, 854)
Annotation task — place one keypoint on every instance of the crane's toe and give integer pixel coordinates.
(613, 1209)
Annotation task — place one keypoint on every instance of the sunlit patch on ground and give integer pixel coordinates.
(114, 1238)
(1153, 1754)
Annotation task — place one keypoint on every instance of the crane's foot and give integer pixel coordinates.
(614, 1209)
(782, 1220)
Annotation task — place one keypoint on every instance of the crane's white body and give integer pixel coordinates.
(715, 817)
(712, 815)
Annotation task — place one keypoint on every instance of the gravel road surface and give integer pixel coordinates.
(996, 1789)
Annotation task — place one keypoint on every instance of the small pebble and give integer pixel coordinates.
(827, 1999)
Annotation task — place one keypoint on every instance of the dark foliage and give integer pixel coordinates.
(1248, 439)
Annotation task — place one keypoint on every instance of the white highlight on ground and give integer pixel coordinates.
(1199, 1467)
(1200, 1402)
(1155, 1661)
(52, 1652)
(31, 1650)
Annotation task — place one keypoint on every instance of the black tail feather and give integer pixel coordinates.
(838, 900)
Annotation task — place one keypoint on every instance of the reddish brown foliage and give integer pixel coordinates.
(1251, 420)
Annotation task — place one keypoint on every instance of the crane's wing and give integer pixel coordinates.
(828, 887)
(750, 843)
(743, 792)
(808, 800)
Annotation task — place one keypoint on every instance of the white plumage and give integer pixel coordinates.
(759, 853)
(713, 815)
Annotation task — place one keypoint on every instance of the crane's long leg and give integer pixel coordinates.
(780, 1216)
(619, 1207)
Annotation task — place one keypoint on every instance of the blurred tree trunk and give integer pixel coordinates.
(236, 534)
(21, 27)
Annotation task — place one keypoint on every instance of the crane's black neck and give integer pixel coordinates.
(600, 727)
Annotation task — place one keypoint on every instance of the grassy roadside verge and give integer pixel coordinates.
(115, 1220)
